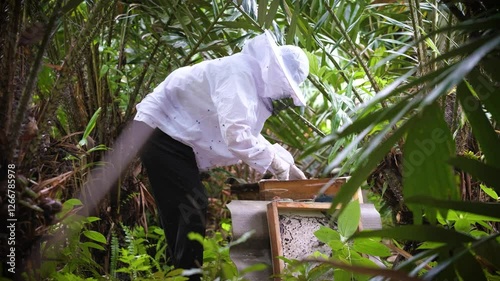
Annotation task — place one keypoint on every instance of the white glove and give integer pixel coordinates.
(296, 174)
(280, 168)
(284, 170)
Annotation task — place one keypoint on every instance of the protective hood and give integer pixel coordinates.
(284, 68)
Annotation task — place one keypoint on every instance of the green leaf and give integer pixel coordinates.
(90, 127)
(430, 245)
(425, 255)
(99, 147)
(362, 261)
(271, 14)
(468, 268)
(478, 234)
(427, 149)
(93, 245)
(342, 275)
(456, 75)
(485, 87)
(72, 4)
(261, 12)
(336, 245)
(72, 202)
(364, 126)
(68, 205)
(238, 24)
(124, 270)
(457, 256)
(292, 27)
(175, 272)
(103, 71)
(369, 163)
(254, 267)
(143, 268)
(481, 126)
(348, 221)
(461, 50)
(93, 219)
(488, 190)
(326, 234)
(462, 225)
(484, 172)
(371, 246)
(226, 226)
(94, 235)
(457, 215)
(419, 233)
(228, 271)
(378, 116)
(242, 239)
(319, 272)
(489, 251)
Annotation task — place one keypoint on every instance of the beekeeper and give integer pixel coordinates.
(211, 114)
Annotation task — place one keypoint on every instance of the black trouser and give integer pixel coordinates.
(180, 196)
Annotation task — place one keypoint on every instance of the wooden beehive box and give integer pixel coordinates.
(302, 190)
(259, 207)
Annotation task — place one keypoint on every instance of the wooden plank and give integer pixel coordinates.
(293, 206)
(275, 238)
(302, 189)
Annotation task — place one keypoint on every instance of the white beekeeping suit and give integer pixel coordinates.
(218, 107)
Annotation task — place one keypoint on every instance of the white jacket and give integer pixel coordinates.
(219, 107)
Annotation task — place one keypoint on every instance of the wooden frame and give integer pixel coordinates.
(273, 211)
(301, 194)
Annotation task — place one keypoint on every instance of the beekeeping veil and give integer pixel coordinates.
(284, 68)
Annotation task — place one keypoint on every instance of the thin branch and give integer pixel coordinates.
(307, 123)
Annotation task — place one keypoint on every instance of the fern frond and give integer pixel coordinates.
(115, 249)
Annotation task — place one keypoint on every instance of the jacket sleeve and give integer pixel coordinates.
(236, 100)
